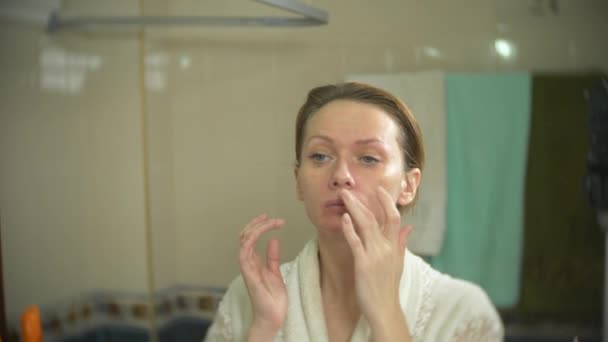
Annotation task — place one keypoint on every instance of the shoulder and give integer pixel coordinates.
(458, 292)
(453, 309)
(236, 295)
(447, 291)
(232, 315)
(473, 315)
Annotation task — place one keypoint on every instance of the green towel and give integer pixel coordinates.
(487, 137)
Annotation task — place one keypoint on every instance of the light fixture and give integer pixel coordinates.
(504, 48)
(309, 16)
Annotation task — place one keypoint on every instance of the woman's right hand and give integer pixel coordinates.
(264, 282)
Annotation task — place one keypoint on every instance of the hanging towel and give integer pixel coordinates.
(487, 125)
(423, 93)
(563, 262)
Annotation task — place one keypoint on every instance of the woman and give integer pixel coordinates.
(359, 157)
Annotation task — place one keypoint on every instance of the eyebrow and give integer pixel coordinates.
(358, 142)
(369, 141)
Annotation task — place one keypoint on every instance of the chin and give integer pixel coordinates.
(329, 224)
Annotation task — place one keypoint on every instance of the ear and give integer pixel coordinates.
(296, 171)
(409, 186)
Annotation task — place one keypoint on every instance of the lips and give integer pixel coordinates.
(337, 203)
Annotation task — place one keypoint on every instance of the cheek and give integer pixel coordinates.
(309, 183)
(389, 178)
(393, 175)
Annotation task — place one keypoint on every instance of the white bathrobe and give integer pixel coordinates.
(437, 307)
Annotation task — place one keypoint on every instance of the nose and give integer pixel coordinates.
(341, 176)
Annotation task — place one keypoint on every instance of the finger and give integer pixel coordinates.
(393, 218)
(254, 226)
(273, 256)
(248, 243)
(251, 264)
(362, 218)
(254, 233)
(404, 235)
(256, 220)
(351, 236)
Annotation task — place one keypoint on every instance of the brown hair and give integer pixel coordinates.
(410, 137)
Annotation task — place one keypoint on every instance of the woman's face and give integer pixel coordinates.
(350, 145)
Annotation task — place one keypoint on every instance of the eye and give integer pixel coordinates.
(369, 160)
(319, 157)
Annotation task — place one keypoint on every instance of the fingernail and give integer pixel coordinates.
(345, 217)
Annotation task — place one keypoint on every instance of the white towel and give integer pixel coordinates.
(423, 93)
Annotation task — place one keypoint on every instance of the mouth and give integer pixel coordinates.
(337, 203)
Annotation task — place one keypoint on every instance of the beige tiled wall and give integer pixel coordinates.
(71, 199)
(220, 105)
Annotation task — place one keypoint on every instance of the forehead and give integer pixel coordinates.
(351, 120)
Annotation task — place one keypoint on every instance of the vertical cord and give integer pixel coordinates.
(146, 179)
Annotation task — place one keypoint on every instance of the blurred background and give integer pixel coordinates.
(131, 157)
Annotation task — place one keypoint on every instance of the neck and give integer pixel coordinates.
(336, 267)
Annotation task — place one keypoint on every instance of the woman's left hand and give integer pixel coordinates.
(378, 247)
